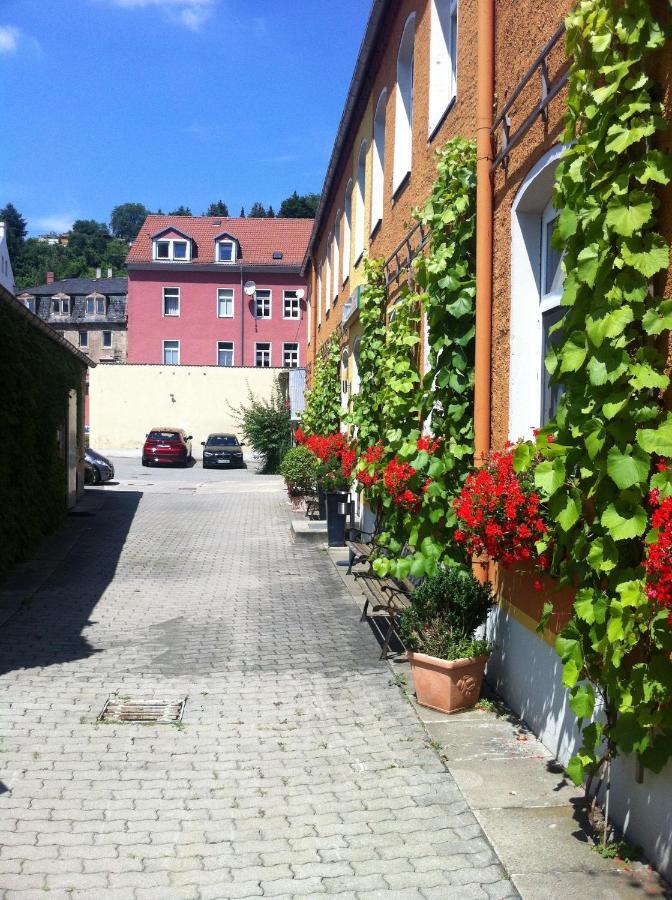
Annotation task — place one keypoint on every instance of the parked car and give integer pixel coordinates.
(167, 445)
(222, 450)
(97, 468)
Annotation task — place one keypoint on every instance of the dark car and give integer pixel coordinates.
(97, 468)
(222, 451)
(167, 445)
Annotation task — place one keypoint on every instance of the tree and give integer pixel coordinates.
(218, 208)
(270, 213)
(242, 212)
(36, 259)
(88, 240)
(126, 220)
(299, 207)
(16, 231)
(180, 211)
(257, 211)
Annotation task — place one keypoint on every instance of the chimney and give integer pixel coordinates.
(109, 272)
(98, 272)
(50, 277)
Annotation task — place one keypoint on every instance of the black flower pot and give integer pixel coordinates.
(336, 518)
(322, 503)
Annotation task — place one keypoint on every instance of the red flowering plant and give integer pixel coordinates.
(658, 560)
(500, 514)
(337, 457)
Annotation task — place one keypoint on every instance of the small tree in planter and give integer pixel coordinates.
(438, 629)
(299, 469)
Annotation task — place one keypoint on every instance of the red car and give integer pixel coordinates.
(167, 445)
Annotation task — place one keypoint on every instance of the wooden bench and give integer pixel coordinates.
(312, 505)
(359, 552)
(389, 595)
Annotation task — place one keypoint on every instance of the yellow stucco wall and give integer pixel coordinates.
(126, 401)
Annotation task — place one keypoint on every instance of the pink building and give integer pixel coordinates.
(210, 290)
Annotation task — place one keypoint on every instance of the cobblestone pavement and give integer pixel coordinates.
(299, 769)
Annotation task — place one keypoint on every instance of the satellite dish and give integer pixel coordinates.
(300, 293)
(250, 288)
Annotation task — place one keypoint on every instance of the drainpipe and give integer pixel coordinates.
(242, 319)
(484, 242)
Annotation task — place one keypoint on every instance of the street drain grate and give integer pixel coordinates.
(153, 711)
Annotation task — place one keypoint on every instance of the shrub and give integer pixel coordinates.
(298, 468)
(445, 611)
(266, 425)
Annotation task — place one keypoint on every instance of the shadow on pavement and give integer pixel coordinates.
(47, 628)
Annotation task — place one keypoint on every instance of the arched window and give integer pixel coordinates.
(327, 278)
(347, 230)
(378, 160)
(337, 255)
(403, 116)
(442, 60)
(536, 290)
(360, 195)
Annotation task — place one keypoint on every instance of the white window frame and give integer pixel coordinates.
(347, 231)
(171, 249)
(230, 349)
(378, 161)
(290, 296)
(63, 306)
(442, 60)
(176, 349)
(327, 279)
(403, 118)
(528, 212)
(230, 296)
(285, 351)
(29, 303)
(337, 254)
(319, 295)
(105, 344)
(163, 303)
(270, 303)
(84, 344)
(230, 242)
(259, 344)
(309, 319)
(360, 202)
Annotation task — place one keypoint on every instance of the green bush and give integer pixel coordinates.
(445, 611)
(298, 468)
(266, 426)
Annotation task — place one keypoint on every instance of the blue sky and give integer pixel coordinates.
(168, 102)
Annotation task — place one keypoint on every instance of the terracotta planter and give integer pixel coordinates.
(447, 686)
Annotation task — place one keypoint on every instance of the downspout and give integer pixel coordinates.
(242, 319)
(484, 244)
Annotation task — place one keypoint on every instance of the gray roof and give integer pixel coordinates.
(80, 286)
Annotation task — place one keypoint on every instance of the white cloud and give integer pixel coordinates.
(191, 14)
(59, 222)
(9, 39)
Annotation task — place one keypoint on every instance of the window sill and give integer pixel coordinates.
(442, 118)
(327, 313)
(346, 280)
(359, 259)
(401, 187)
(376, 228)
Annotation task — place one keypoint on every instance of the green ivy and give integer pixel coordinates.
(323, 402)
(367, 406)
(611, 424)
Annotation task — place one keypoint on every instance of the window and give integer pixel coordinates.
(442, 60)
(309, 318)
(60, 306)
(30, 304)
(262, 305)
(536, 288)
(337, 254)
(171, 353)
(224, 353)
(319, 296)
(360, 194)
(345, 364)
(290, 356)
(95, 306)
(84, 339)
(403, 119)
(378, 161)
(262, 355)
(172, 249)
(290, 305)
(225, 303)
(226, 251)
(347, 231)
(355, 383)
(327, 279)
(171, 301)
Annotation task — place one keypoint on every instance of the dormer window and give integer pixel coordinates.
(226, 251)
(167, 249)
(60, 305)
(95, 305)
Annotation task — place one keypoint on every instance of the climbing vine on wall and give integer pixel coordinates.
(367, 412)
(323, 402)
(610, 442)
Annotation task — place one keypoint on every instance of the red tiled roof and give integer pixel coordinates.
(259, 239)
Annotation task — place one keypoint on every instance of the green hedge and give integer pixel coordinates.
(35, 378)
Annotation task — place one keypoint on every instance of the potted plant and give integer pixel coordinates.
(299, 469)
(438, 628)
